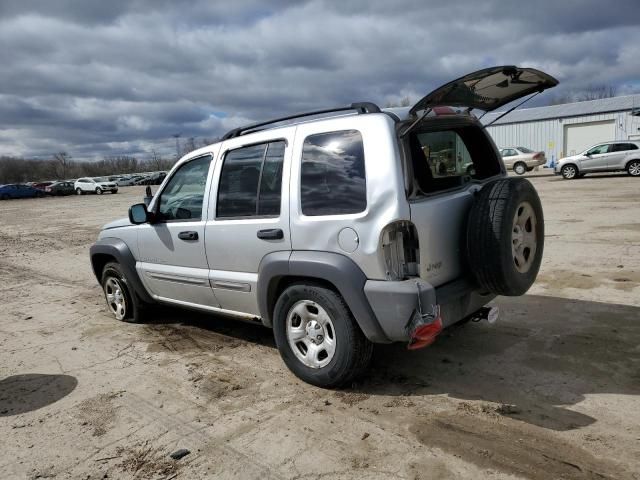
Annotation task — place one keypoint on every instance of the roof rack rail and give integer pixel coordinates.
(360, 107)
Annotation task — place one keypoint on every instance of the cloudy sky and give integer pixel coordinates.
(115, 77)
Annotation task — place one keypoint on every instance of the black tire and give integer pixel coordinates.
(569, 172)
(78, 191)
(4, 196)
(134, 307)
(98, 191)
(496, 249)
(352, 349)
(40, 195)
(471, 170)
(633, 168)
(520, 168)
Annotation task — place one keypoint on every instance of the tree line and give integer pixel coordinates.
(61, 166)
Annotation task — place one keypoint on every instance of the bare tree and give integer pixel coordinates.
(189, 145)
(62, 161)
(596, 92)
(404, 102)
(591, 92)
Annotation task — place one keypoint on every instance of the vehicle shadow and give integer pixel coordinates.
(28, 392)
(544, 354)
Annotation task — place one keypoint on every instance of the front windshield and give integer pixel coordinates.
(99, 179)
(525, 150)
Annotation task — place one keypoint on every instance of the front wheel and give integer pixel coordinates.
(122, 301)
(98, 191)
(633, 168)
(569, 172)
(78, 191)
(318, 337)
(4, 196)
(520, 168)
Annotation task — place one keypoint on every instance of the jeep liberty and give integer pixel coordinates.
(339, 228)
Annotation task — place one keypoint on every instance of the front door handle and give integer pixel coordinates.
(188, 236)
(271, 234)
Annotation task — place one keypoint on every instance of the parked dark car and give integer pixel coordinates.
(60, 188)
(19, 191)
(152, 179)
(41, 185)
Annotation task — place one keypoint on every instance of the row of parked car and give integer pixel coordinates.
(84, 185)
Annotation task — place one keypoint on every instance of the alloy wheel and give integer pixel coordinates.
(523, 237)
(116, 299)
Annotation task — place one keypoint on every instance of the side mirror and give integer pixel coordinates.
(587, 154)
(138, 214)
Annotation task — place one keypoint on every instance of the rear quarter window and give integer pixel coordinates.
(333, 180)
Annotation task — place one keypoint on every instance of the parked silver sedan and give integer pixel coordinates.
(604, 157)
(522, 159)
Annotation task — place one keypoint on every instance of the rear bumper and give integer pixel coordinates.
(395, 303)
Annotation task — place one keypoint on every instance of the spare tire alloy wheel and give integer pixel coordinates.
(569, 172)
(311, 334)
(520, 168)
(505, 236)
(523, 238)
(634, 168)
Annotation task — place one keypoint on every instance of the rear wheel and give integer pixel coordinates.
(633, 168)
(318, 337)
(505, 236)
(520, 168)
(569, 172)
(122, 301)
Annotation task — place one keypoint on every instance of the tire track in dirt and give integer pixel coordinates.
(512, 447)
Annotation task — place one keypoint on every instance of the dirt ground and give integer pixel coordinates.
(550, 391)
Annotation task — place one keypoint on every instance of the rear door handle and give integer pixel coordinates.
(188, 235)
(271, 234)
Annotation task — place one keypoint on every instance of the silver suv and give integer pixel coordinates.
(340, 229)
(604, 157)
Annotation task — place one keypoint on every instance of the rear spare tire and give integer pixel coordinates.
(505, 236)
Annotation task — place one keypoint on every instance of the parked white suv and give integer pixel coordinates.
(363, 226)
(623, 155)
(94, 185)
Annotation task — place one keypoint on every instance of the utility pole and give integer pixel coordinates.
(177, 137)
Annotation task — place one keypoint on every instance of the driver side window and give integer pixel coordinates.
(183, 195)
(599, 149)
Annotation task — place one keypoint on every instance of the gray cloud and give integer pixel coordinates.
(101, 78)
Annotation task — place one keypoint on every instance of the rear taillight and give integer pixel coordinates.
(401, 251)
(538, 156)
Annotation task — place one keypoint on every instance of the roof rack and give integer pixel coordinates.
(360, 107)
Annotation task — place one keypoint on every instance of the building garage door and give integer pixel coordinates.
(580, 136)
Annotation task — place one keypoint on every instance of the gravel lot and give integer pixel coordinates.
(550, 391)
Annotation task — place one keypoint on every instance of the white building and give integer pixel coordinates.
(567, 129)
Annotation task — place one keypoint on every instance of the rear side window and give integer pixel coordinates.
(251, 181)
(623, 147)
(333, 174)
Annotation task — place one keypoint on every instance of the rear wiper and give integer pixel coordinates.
(510, 110)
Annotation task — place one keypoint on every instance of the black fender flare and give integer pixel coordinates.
(119, 250)
(339, 270)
